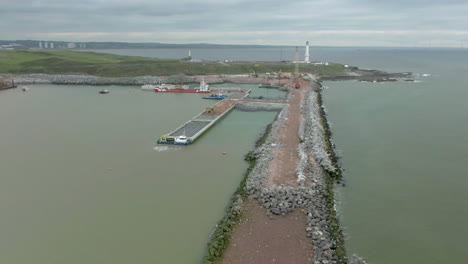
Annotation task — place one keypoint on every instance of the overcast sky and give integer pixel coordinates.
(271, 22)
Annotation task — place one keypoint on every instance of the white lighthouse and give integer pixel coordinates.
(306, 59)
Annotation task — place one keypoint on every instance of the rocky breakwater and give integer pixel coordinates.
(316, 174)
(84, 79)
(312, 196)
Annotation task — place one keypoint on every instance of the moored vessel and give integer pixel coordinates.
(170, 140)
(216, 96)
(171, 88)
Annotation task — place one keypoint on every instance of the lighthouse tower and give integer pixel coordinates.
(306, 59)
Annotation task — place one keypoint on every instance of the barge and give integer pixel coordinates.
(188, 132)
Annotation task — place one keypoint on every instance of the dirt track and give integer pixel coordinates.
(258, 239)
(282, 239)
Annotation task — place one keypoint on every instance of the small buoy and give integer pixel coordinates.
(224, 153)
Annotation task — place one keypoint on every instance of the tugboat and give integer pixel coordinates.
(103, 91)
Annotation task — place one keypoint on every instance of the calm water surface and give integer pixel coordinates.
(82, 180)
(405, 148)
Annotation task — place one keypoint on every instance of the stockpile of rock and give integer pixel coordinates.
(260, 106)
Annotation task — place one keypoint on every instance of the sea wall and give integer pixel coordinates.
(83, 79)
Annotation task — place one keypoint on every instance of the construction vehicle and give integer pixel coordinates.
(209, 109)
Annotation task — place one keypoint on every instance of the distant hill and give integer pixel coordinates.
(111, 65)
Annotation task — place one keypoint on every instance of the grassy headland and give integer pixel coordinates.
(110, 65)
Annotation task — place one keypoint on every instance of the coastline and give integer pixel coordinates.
(81, 79)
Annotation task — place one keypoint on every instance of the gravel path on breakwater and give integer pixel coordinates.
(280, 200)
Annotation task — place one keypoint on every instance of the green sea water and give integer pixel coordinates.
(82, 180)
(404, 148)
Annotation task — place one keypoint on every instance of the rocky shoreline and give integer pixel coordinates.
(81, 79)
(367, 76)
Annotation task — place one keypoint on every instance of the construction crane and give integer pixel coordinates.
(297, 85)
(296, 69)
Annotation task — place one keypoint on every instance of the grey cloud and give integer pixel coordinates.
(54, 16)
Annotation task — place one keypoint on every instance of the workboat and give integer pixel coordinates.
(179, 140)
(268, 86)
(103, 91)
(171, 88)
(216, 96)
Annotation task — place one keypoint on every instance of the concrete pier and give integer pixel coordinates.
(196, 126)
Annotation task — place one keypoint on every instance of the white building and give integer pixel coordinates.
(306, 57)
